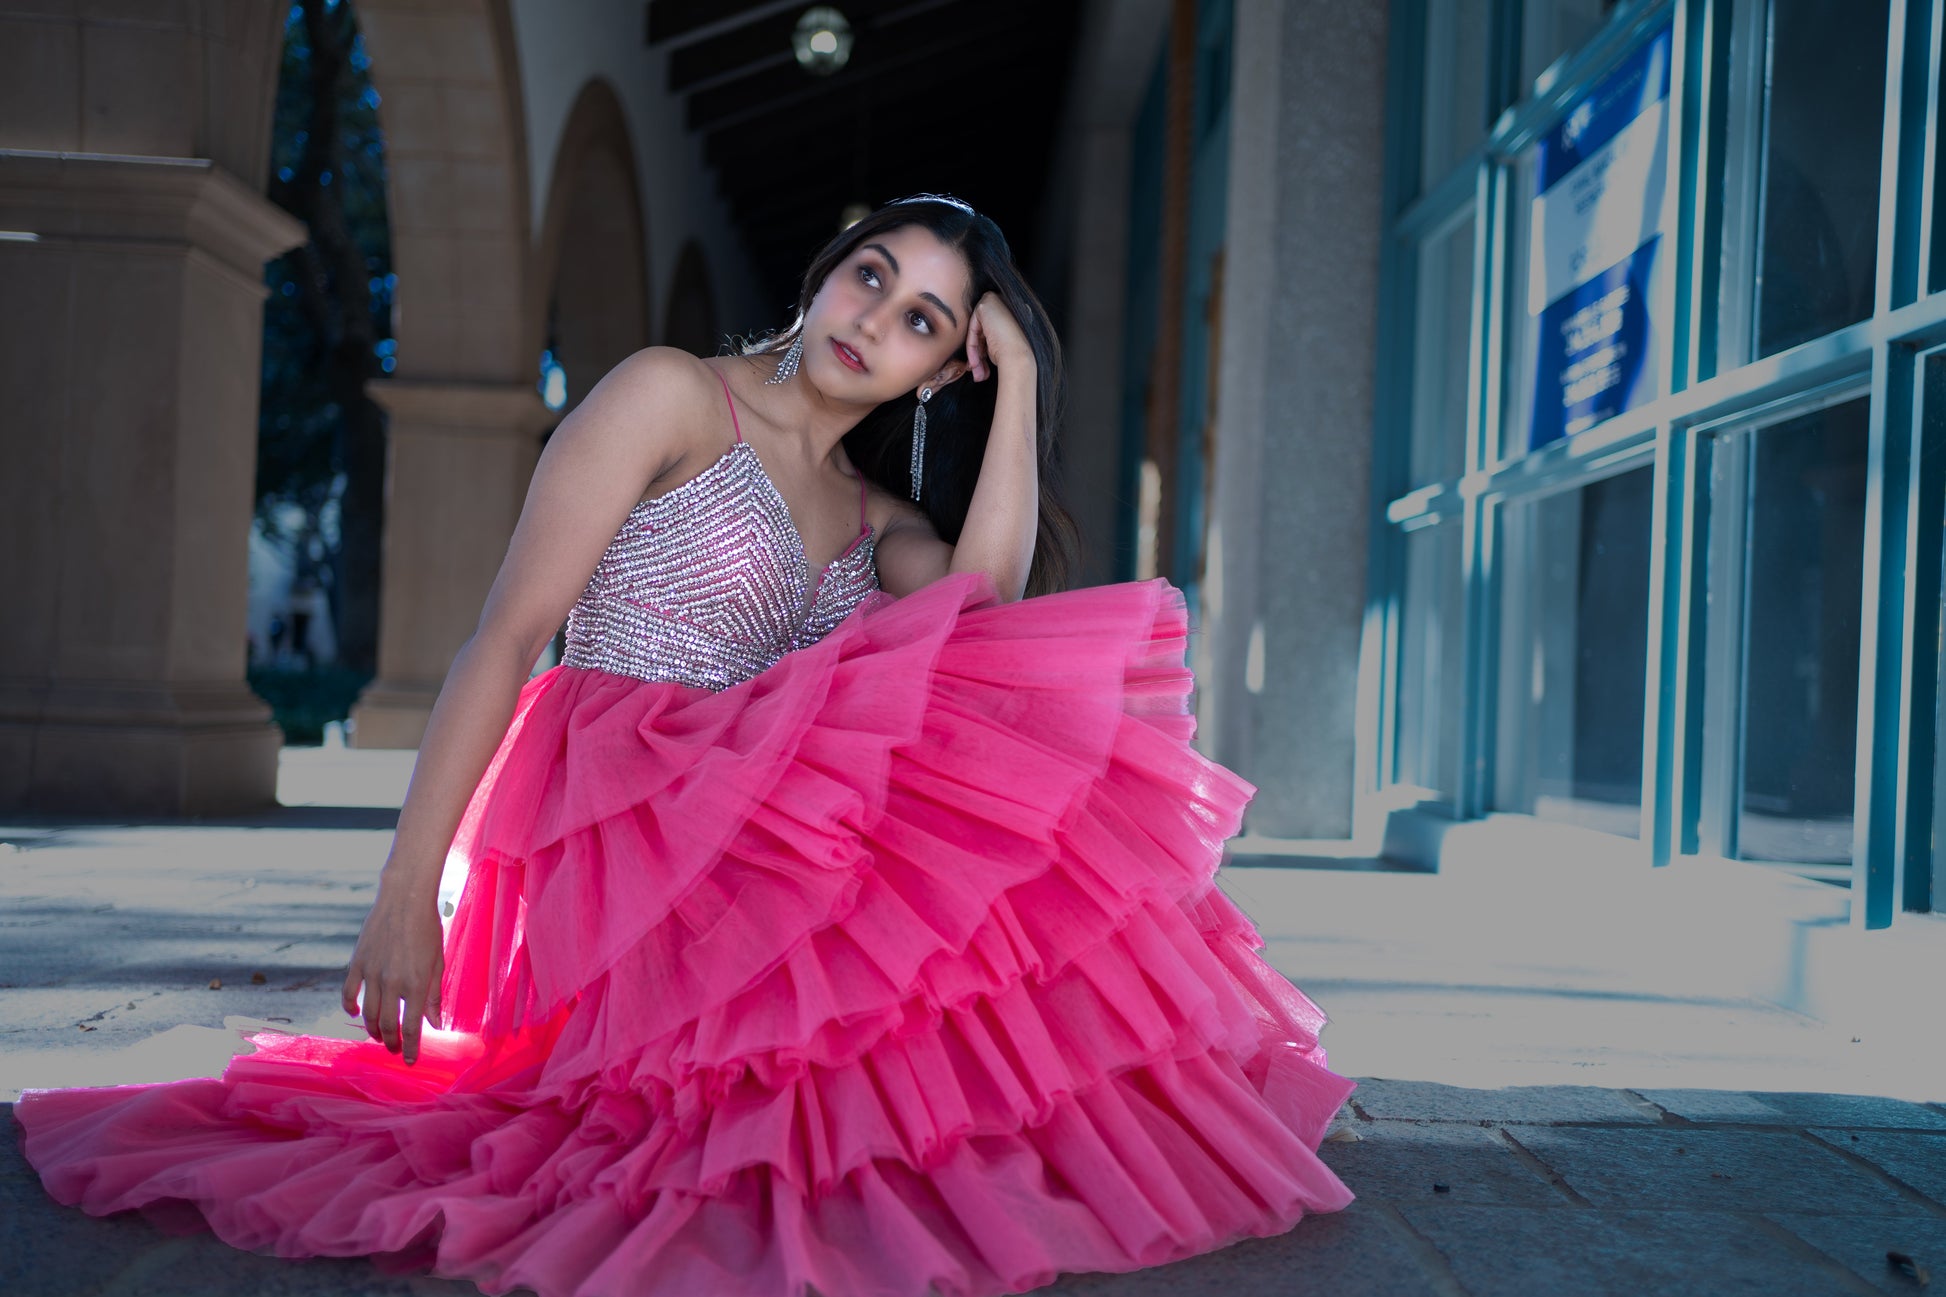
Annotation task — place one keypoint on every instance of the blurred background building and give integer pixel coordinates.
(1539, 401)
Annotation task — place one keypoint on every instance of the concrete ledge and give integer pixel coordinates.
(1717, 926)
(138, 769)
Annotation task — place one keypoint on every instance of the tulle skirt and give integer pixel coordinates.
(897, 968)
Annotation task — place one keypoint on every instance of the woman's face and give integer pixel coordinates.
(889, 317)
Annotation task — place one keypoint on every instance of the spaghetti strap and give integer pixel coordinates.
(734, 425)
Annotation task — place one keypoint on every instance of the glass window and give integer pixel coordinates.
(1455, 121)
(1936, 264)
(1929, 891)
(1431, 685)
(1551, 28)
(1440, 360)
(1574, 654)
(1802, 546)
(1823, 74)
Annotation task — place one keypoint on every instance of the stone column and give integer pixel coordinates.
(1284, 593)
(460, 456)
(131, 328)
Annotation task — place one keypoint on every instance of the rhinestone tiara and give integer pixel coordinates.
(948, 199)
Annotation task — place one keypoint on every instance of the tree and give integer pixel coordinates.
(328, 320)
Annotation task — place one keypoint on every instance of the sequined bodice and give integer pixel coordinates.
(706, 584)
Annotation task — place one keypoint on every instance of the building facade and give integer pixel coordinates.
(1539, 402)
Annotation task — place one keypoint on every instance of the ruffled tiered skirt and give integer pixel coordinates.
(899, 967)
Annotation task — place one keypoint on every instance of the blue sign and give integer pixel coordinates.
(1598, 270)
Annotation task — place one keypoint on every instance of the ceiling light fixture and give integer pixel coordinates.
(822, 40)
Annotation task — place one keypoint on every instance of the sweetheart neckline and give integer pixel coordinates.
(813, 588)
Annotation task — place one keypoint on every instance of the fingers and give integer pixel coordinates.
(388, 1021)
(348, 997)
(976, 349)
(434, 1005)
(415, 1013)
(373, 999)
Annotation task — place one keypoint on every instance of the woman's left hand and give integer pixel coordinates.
(994, 340)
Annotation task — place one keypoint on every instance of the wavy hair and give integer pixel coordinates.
(960, 414)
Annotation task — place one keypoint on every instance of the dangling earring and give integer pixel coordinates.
(787, 367)
(919, 438)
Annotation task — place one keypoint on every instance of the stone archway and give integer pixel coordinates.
(689, 321)
(592, 258)
(463, 409)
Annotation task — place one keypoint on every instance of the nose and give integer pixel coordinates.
(869, 322)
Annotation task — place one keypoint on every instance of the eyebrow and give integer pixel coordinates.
(885, 252)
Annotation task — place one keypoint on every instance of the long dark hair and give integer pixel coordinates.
(960, 414)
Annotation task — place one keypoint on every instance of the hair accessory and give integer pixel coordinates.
(919, 438)
(948, 199)
(787, 367)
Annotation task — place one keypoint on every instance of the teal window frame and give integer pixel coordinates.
(1897, 814)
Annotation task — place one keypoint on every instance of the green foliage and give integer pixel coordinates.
(299, 458)
(302, 701)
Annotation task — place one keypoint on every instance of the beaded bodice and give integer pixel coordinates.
(707, 584)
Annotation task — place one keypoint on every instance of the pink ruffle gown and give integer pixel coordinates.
(862, 945)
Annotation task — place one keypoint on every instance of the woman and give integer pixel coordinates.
(834, 917)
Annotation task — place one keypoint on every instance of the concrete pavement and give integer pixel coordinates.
(1725, 1144)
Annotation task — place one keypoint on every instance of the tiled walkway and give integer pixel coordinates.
(1541, 1191)
(1644, 1183)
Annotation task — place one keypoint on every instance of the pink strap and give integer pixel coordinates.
(733, 405)
(738, 429)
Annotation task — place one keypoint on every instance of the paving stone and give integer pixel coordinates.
(1919, 1160)
(1793, 1108)
(204, 1266)
(1716, 1105)
(1400, 1162)
(1508, 1251)
(1861, 1242)
(1514, 1104)
(1351, 1253)
(48, 1250)
(1716, 1170)
(51, 1250)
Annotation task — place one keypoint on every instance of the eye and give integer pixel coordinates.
(869, 275)
(920, 322)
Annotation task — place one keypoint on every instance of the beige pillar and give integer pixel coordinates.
(463, 431)
(461, 454)
(131, 327)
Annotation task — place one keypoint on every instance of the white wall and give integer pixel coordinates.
(564, 46)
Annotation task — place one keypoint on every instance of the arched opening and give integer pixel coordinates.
(593, 249)
(593, 261)
(690, 319)
(320, 484)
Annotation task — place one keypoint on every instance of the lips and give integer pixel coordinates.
(848, 356)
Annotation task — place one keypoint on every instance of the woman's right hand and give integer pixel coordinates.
(400, 956)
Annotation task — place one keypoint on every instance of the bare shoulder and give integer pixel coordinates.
(664, 401)
(662, 381)
(638, 423)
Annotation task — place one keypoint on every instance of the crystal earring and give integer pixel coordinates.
(787, 367)
(919, 438)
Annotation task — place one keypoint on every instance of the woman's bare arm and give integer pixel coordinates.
(1003, 517)
(1004, 514)
(627, 432)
